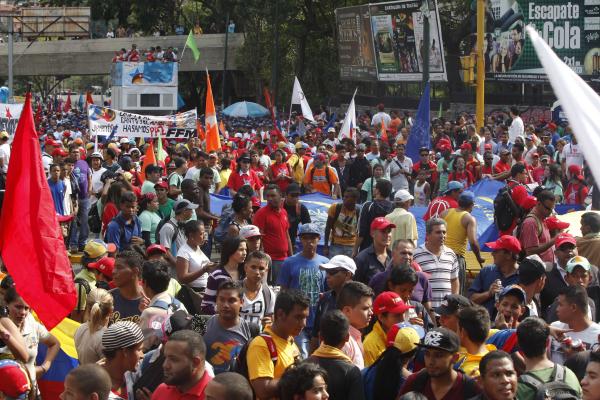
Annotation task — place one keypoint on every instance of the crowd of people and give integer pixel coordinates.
(151, 54)
(177, 299)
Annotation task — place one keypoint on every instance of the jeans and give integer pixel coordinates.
(79, 227)
(303, 343)
(337, 249)
(274, 271)
(207, 246)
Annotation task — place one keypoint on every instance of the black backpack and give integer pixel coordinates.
(505, 209)
(239, 363)
(94, 220)
(555, 388)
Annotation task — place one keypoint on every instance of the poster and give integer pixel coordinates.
(355, 45)
(571, 28)
(397, 34)
(9, 117)
(144, 74)
(103, 121)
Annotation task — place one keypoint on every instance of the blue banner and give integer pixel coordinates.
(144, 74)
(419, 134)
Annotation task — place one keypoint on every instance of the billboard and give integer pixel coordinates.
(355, 44)
(571, 28)
(144, 73)
(397, 32)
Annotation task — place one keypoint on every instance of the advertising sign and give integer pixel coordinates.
(355, 45)
(397, 33)
(571, 28)
(103, 121)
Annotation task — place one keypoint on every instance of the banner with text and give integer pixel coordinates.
(103, 121)
(144, 73)
(9, 117)
(571, 29)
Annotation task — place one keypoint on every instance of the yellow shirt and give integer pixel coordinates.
(259, 360)
(456, 238)
(374, 344)
(469, 363)
(296, 164)
(343, 231)
(406, 225)
(224, 175)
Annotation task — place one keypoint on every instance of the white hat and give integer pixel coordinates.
(248, 231)
(97, 155)
(332, 129)
(124, 141)
(402, 196)
(340, 261)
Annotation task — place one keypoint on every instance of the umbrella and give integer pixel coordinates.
(245, 109)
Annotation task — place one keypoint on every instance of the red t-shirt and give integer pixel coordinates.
(438, 206)
(576, 193)
(273, 225)
(538, 174)
(168, 392)
(487, 170)
(110, 211)
(465, 177)
(283, 169)
(431, 167)
(239, 179)
(501, 166)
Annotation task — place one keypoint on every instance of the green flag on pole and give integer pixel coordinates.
(191, 43)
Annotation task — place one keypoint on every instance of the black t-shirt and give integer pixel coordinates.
(294, 219)
(124, 309)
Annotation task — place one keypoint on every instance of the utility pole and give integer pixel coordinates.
(10, 58)
(480, 96)
(425, 11)
(225, 60)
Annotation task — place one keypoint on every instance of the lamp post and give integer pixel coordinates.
(426, 7)
(225, 60)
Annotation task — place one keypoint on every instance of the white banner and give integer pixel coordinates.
(103, 121)
(9, 117)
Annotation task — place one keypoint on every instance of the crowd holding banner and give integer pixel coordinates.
(381, 256)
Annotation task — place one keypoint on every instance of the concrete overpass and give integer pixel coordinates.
(94, 56)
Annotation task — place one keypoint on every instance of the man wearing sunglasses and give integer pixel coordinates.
(533, 233)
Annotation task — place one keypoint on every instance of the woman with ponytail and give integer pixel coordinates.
(88, 337)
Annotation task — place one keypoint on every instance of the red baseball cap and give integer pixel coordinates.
(563, 238)
(487, 146)
(506, 242)
(156, 248)
(555, 223)
(15, 382)
(574, 170)
(59, 152)
(162, 185)
(380, 223)
(389, 302)
(105, 265)
(466, 146)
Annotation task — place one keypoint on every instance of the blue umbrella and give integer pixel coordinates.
(245, 109)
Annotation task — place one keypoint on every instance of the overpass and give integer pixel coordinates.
(94, 56)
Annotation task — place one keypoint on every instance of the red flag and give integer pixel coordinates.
(149, 159)
(68, 102)
(270, 106)
(31, 242)
(88, 99)
(8, 114)
(200, 130)
(38, 113)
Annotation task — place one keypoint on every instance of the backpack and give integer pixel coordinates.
(505, 209)
(222, 229)
(312, 174)
(94, 220)
(555, 388)
(171, 307)
(240, 362)
(163, 222)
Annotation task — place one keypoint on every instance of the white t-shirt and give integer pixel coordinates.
(572, 156)
(196, 260)
(588, 336)
(5, 156)
(254, 310)
(381, 117)
(97, 184)
(67, 199)
(516, 129)
(192, 173)
(399, 181)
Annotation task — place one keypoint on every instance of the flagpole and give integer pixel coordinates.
(184, 47)
(290, 114)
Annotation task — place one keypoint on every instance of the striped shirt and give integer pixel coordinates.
(441, 271)
(209, 301)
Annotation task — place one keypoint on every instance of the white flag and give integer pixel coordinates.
(349, 124)
(580, 102)
(299, 98)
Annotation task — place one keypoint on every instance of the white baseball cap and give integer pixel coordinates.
(248, 231)
(340, 261)
(403, 195)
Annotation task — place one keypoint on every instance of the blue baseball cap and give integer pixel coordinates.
(453, 185)
(513, 289)
(309, 229)
(467, 195)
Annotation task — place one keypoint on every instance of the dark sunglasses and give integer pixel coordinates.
(335, 271)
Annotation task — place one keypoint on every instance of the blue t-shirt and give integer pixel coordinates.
(58, 195)
(120, 232)
(484, 280)
(298, 272)
(81, 170)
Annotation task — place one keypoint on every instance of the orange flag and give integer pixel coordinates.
(149, 159)
(200, 130)
(213, 142)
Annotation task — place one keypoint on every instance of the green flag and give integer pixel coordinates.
(191, 43)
